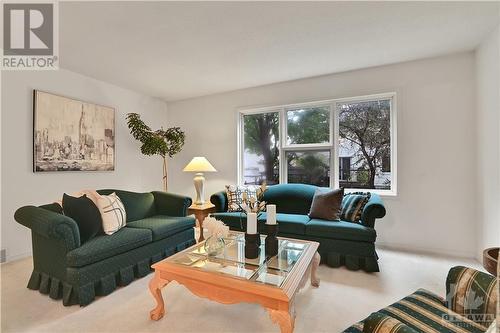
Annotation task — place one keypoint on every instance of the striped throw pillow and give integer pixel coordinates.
(353, 205)
(381, 323)
(112, 212)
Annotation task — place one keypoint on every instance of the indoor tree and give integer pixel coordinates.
(160, 142)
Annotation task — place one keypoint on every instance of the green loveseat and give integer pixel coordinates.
(341, 243)
(470, 306)
(157, 227)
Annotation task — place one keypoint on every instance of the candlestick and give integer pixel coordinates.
(251, 223)
(271, 214)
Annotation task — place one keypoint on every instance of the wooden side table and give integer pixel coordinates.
(200, 212)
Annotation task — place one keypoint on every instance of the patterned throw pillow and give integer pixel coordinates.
(353, 205)
(112, 212)
(381, 323)
(235, 196)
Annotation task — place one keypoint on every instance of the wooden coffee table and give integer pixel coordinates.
(230, 278)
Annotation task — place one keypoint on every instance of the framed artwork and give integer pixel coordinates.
(71, 135)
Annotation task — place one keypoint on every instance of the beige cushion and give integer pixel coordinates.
(112, 212)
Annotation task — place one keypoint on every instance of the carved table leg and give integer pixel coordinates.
(314, 270)
(155, 286)
(282, 318)
(200, 217)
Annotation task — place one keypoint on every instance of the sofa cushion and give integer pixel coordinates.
(290, 198)
(235, 220)
(326, 204)
(104, 246)
(340, 230)
(86, 215)
(163, 226)
(137, 205)
(288, 223)
(353, 205)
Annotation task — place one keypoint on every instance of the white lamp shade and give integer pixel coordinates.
(199, 164)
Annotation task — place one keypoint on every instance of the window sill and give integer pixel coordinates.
(382, 193)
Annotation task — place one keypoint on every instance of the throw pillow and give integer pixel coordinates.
(381, 323)
(235, 196)
(353, 205)
(112, 212)
(85, 214)
(326, 205)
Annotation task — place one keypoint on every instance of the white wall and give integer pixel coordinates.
(20, 186)
(435, 207)
(488, 107)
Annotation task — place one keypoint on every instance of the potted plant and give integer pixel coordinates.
(160, 142)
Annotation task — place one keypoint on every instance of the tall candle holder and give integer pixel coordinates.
(252, 245)
(271, 243)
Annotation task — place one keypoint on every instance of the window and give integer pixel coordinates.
(346, 142)
(308, 167)
(365, 136)
(260, 148)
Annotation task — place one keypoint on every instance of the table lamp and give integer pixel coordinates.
(199, 165)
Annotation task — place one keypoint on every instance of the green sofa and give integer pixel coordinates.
(470, 306)
(341, 243)
(157, 227)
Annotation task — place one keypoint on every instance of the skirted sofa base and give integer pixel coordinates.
(82, 284)
(337, 253)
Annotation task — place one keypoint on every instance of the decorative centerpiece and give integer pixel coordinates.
(214, 245)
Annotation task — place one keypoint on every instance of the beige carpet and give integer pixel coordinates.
(343, 298)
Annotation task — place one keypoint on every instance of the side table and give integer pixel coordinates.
(200, 212)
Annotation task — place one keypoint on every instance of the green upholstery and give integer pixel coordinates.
(340, 230)
(50, 225)
(424, 311)
(374, 209)
(290, 198)
(171, 204)
(235, 220)
(288, 223)
(137, 205)
(162, 226)
(65, 269)
(104, 246)
(342, 243)
(219, 200)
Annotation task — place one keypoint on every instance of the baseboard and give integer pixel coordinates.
(17, 257)
(428, 251)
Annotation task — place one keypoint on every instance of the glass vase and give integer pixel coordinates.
(214, 246)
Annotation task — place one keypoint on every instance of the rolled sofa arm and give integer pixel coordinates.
(50, 225)
(219, 199)
(374, 209)
(171, 204)
(472, 292)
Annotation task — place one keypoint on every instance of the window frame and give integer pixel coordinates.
(332, 145)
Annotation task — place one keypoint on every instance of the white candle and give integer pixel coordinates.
(271, 214)
(251, 223)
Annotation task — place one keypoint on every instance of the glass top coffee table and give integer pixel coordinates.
(231, 278)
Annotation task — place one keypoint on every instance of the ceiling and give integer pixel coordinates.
(179, 50)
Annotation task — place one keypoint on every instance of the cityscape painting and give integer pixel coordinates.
(71, 135)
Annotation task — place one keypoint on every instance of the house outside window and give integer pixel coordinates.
(346, 143)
